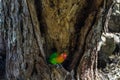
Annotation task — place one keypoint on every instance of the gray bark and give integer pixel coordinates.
(33, 28)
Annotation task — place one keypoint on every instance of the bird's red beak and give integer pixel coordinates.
(64, 55)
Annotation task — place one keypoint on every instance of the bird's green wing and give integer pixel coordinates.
(53, 55)
(53, 61)
(52, 58)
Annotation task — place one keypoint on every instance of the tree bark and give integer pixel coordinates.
(33, 29)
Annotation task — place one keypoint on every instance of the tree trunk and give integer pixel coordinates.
(33, 29)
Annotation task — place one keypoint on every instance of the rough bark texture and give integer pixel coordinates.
(33, 29)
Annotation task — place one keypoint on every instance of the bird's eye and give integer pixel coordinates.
(64, 55)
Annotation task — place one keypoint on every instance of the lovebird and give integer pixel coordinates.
(56, 58)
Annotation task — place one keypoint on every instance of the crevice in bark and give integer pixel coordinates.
(34, 72)
(43, 29)
(107, 5)
(2, 65)
(38, 7)
(36, 16)
(26, 66)
(2, 55)
(75, 53)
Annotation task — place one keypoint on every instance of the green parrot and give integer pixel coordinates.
(56, 58)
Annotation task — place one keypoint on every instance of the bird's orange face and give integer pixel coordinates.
(64, 55)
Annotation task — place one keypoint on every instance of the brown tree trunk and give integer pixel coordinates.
(33, 29)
